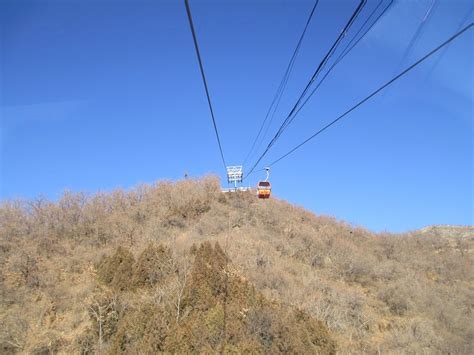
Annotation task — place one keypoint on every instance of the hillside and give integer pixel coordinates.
(181, 267)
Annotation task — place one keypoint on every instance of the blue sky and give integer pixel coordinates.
(102, 94)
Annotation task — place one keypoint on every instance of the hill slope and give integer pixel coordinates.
(140, 271)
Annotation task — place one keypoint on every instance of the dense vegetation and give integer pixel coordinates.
(185, 268)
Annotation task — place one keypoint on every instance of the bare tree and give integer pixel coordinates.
(101, 311)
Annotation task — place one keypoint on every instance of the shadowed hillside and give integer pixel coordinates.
(185, 268)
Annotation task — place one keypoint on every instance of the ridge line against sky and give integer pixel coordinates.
(98, 95)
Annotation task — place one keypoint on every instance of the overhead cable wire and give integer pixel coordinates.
(313, 78)
(419, 61)
(346, 51)
(320, 67)
(281, 88)
(196, 46)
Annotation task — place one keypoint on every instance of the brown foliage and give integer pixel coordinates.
(117, 270)
(408, 293)
(152, 266)
(220, 313)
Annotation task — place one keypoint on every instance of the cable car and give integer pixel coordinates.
(264, 188)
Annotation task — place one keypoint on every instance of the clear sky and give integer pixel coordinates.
(102, 94)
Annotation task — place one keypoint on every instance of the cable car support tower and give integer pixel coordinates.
(235, 176)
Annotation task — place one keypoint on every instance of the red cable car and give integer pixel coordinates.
(264, 188)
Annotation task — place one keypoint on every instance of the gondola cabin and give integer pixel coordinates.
(264, 189)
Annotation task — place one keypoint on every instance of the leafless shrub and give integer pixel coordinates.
(13, 331)
(259, 323)
(104, 311)
(26, 266)
(14, 221)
